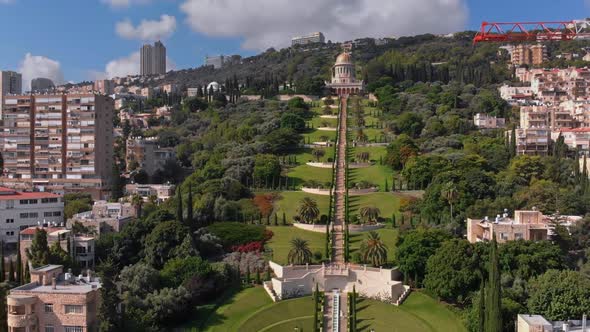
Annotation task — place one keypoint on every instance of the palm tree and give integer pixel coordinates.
(324, 138)
(369, 213)
(318, 153)
(373, 250)
(137, 202)
(299, 253)
(360, 136)
(308, 210)
(450, 194)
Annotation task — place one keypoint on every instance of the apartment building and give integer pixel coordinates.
(516, 94)
(532, 141)
(54, 301)
(105, 87)
(10, 83)
(575, 138)
(145, 153)
(57, 142)
(542, 116)
(105, 217)
(216, 61)
(484, 121)
(153, 59)
(523, 54)
(526, 225)
(19, 210)
(81, 246)
(315, 37)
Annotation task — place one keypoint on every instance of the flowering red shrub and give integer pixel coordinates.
(268, 234)
(256, 246)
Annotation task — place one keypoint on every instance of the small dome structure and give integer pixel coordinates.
(213, 85)
(343, 58)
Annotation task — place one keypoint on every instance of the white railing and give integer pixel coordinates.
(336, 312)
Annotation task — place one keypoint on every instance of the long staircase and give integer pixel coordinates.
(335, 310)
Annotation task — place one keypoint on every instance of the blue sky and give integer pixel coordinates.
(78, 38)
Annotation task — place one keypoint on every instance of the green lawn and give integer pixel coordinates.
(375, 152)
(282, 316)
(303, 173)
(289, 203)
(388, 203)
(375, 174)
(282, 236)
(388, 235)
(230, 315)
(315, 135)
(419, 313)
(319, 122)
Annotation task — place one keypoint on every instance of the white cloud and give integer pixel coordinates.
(128, 65)
(33, 66)
(123, 3)
(265, 23)
(147, 29)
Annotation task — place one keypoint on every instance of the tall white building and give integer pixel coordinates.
(316, 37)
(10, 83)
(19, 210)
(153, 59)
(215, 61)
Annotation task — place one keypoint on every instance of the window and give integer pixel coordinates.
(48, 307)
(73, 309)
(73, 328)
(49, 328)
(504, 236)
(518, 236)
(10, 233)
(49, 200)
(10, 221)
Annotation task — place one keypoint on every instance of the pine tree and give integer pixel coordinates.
(117, 183)
(107, 311)
(493, 304)
(179, 209)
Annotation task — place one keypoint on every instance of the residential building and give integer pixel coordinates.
(575, 138)
(153, 59)
(10, 83)
(41, 84)
(168, 88)
(523, 54)
(192, 92)
(484, 121)
(19, 210)
(216, 61)
(515, 94)
(147, 154)
(526, 225)
(162, 192)
(532, 141)
(538, 323)
(344, 80)
(105, 87)
(105, 217)
(548, 117)
(54, 301)
(82, 246)
(315, 37)
(59, 143)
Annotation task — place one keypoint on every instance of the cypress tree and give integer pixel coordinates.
(393, 220)
(179, 209)
(11, 271)
(267, 277)
(284, 221)
(2, 271)
(481, 311)
(27, 276)
(276, 220)
(386, 186)
(493, 304)
(189, 207)
(19, 263)
(513, 142)
(258, 280)
(268, 220)
(248, 275)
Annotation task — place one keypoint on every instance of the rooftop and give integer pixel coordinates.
(535, 319)
(11, 194)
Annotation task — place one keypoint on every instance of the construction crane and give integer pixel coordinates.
(533, 31)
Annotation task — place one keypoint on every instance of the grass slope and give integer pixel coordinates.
(419, 313)
(289, 203)
(282, 236)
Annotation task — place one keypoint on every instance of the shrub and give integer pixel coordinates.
(234, 234)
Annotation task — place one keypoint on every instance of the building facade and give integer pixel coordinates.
(216, 61)
(312, 38)
(526, 225)
(10, 83)
(105, 87)
(145, 153)
(105, 217)
(344, 80)
(19, 210)
(59, 143)
(484, 121)
(81, 247)
(153, 59)
(162, 192)
(523, 54)
(54, 301)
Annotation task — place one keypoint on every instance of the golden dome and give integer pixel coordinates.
(343, 58)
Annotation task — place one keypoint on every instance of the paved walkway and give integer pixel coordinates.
(338, 233)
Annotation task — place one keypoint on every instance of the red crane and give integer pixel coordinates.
(532, 31)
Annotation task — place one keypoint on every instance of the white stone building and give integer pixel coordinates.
(20, 210)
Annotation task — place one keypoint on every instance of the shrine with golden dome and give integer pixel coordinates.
(344, 80)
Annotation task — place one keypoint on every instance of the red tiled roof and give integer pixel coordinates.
(32, 230)
(7, 193)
